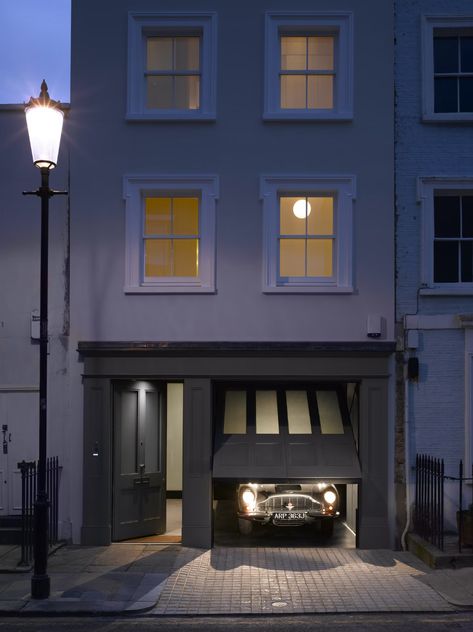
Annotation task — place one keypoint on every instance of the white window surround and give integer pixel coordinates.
(338, 23)
(343, 189)
(429, 24)
(135, 187)
(426, 188)
(141, 25)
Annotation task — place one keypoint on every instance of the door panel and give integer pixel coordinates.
(139, 489)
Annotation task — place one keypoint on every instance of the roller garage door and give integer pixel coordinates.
(286, 431)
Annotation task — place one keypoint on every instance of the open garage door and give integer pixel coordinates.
(290, 431)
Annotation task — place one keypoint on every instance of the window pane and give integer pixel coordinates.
(129, 432)
(445, 54)
(320, 53)
(186, 253)
(293, 92)
(445, 98)
(293, 53)
(235, 413)
(320, 92)
(158, 257)
(157, 216)
(185, 216)
(447, 216)
(159, 93)
(446, 262)
(466, 53)
(159, 53)
(267, 421)
(292, 257)
(320, 221)
(298, 417)
(467, 215)
(329, 412)
(320, 257)
(151, 442)
(467, 261)
(288, 222)
(187, 93)
(187, 53)
(466, 94)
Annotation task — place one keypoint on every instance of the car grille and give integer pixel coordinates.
(279, 503)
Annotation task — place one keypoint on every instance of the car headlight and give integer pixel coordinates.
(249, 498)
(330, 497)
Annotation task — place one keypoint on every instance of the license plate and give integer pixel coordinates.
(289, 515)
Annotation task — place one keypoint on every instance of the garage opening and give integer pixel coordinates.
(286, 463)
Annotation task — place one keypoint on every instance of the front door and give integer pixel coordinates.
(139, 449)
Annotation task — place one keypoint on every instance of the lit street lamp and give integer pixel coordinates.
(44, 120)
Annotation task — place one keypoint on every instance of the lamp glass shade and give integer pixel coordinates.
(44, 129)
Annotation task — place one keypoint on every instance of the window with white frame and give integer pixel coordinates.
(308, 233)
(170, 233)
(309, 66)
(447, 47)
(447, 249)
(171, 66)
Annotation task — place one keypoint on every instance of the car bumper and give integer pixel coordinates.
(263, 518)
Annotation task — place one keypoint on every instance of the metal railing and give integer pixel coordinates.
(430, 500)
(29, 474)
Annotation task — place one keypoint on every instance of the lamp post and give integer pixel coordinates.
(44, 120)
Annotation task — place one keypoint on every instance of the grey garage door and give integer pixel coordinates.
(271, 431)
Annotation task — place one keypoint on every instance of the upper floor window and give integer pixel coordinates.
(453, 237)
(308, 233)
(453, 73)
(170, 233)
(307, 72)
(171, 66)
(447, 68)
(309, 66)
(172, 73)
(447, 244)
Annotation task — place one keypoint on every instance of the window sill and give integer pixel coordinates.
(448, 117)
(171, 116)
(168, 289)
(308, 289)
(447, 291)
(301, 115)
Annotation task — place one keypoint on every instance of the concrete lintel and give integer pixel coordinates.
(434, 321)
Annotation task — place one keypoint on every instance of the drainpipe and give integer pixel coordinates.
(406, 462)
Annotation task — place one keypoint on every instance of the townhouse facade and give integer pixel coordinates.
(226, 263)
(434, 195)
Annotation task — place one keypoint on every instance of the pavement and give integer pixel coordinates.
(159, 579)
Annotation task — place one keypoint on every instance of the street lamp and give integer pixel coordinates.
(44, 120)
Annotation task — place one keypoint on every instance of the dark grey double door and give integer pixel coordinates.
(139, 459)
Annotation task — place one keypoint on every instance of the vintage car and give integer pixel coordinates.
(287, 505)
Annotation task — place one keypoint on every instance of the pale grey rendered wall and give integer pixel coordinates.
(238, 147)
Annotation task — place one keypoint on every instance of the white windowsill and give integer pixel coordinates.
(447, 291)
(170, 289)
(300, 289)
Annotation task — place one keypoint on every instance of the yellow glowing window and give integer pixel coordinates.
(171, 237)
(306, 236)
(173, 73)
(307, 73)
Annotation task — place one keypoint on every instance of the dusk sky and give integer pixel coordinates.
(34, 45)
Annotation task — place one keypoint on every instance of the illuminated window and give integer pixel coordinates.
(309, 66)
(172, 73)
(170, 233)
(171, 66)
(308, 238)
(307, 72)
(171, 237)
